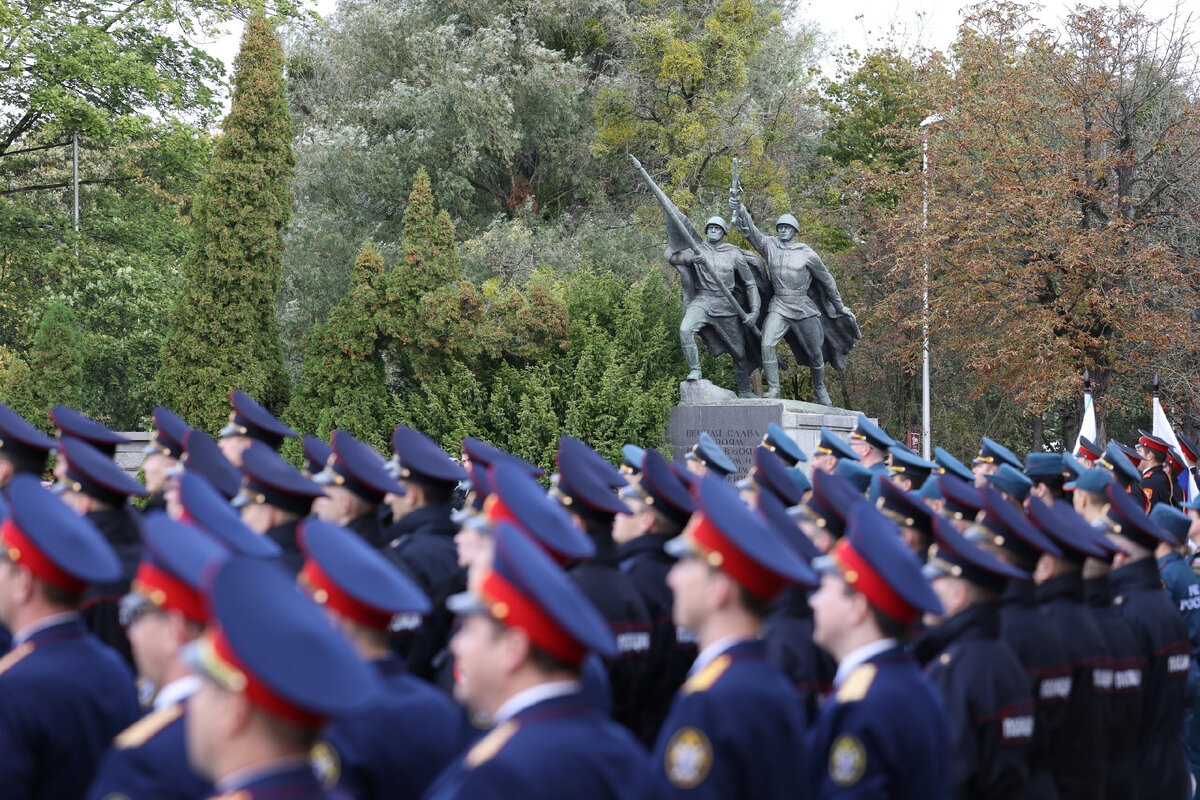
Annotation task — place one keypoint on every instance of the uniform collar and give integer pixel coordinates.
(534, 695)
(292, 769)
(861, 655)
(44, 624)
(710, 653)
(176, 691)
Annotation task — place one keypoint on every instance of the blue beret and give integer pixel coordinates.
(21, 440)
(708, 452)
(661, 489)
(272, 481)
(1172, 520)
(354, 579)
(1006, 526)
(856, 473)
(953, 555)
(904, 461)
(730, 537)
(770, 474)
(202, 455)
(1010, 481)
(419, 459)
(582, 485)
(830, 444)
(866, 430)
(517, 499)
(1044, 466)
(1116, 462)
(357, 467)
(249, 418)
(316, 455)
(775, 514)
(991, 452)
(57, 545)
(962, 499)
(169, 431)
(778, 442)
(276, 645)
(211, 513)
(480, 452)
(1077, 539)
(951, 465)
(95, 474)
(1127, 517)
(631, 459)
(70, 422)
(903, 508)
(1094, 480)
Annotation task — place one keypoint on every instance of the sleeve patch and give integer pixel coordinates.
(689, 758)
(141, 731)
(487, 747)
(704, 679)
(857, 684)
(847, 761)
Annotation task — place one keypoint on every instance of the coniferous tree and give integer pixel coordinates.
(55, 364)
(223, 331)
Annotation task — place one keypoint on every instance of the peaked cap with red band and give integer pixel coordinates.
(518, 500)
(270, 642)
(730, 537)
(525, 589)
(344, 573)
(175, 556)
(876, 563)
(1152, 442)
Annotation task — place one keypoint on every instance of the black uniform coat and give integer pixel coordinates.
(422, 542)
(1156, 486)
(788, 632)
(101, 604)
(285, 536)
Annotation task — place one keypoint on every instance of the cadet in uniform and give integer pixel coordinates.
(164, 612)
(991, 455)
(161, 454)
(1013, 484)
(526, 632)
(707, 456)
(273, 499)
(1124, 471)
(70, 423)
(831, 451)
(908, 470)
(273, 671)
(96, 488)
(951, 466)
(63, 695)
(870, 443)
(249, 421)
(412, 731)
(202, 506)
(986, 693)
(1046, 472)
(736, 728)
(1157, 486)
(1137, 592)
(355, 480)
(1088, 452)
(783, 446)
(23, 448)
(882, 733)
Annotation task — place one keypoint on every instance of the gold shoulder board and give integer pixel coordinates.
(857, 684)
(139, 732)
(705, 678)
(13, 656)
(487, 747)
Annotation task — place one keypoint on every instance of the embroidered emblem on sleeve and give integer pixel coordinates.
(689, 758)
(847, 760)
(326, 763)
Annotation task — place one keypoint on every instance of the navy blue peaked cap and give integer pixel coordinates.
(770, 474)
(951, 465)
(707, 451)
(95, 474)
(905, 462)
(1171, 520)
(316, 455)
(1006, 526)
(778, 442)
(1076, 538)
(271, 642)
(831, 444)
(1094, 480)
(856, 473)
(211, 513)
(1071, 467)
(168, 434)
(202, 455)
(57, 545)
(865, 429)
(23, 441)
(992, 452)
(357, 467)
(419, 459)
(953, 555)
(832, 496)
(800, 479)
(1044, 466)
(582, 484)
(517, 499)
(576, 448)
(175, 558)
(70, 422)
(270, 480)
(1127, 517)
(1089, 448)
(1010, 481)
(906, 509)
(661, 489)
(248, 417)
(480, 452)
(962, 499)
(774, 513)
(1116, 462)
(631, 459)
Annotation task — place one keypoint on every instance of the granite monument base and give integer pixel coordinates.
(738, 424)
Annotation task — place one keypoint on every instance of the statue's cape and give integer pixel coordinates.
(841, 330)
(715, 335)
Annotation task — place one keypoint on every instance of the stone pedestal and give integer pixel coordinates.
(129, 457)
(738, 424)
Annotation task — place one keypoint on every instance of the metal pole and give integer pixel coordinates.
(75, 175)
(926, 428)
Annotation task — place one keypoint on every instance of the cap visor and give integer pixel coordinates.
(825, 565)
(465, 603)
(190, 656)
(677, 547)
(239, 500)
(229, 430)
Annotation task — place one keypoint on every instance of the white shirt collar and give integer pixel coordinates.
(532, 696)
(710, 653)
(246, 775)
(860, 656)
(23, 635)
(176, 691)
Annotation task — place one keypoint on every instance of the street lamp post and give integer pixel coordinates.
(932, 119)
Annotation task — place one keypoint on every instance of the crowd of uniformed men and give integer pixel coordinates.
(890, 628)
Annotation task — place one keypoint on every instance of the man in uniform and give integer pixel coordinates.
(870, 443)
(793, 267)
(1048, 474)
(355, 480)
(248, 421)
(883, 732)
(71, 423)
(991, 455)
(163, 614)
(908, 470)
(717, 264)
(1014, 484)
(1157, 486)
(63, 695)
(707, 456)
(273, 671)
(784, 447)
(831, 451)
(161, 454)
(274, 498)
(526, 632)
(1123, 470)
(951, 465)
(736, 728)
(23, 448)
(379, 753)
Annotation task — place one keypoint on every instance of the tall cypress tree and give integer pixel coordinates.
(55, 360)
(223, 332)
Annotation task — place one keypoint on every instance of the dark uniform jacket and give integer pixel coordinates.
(293, 782)
(1156, 487)
(788, 632)
(1159, 630)
(1082, 758)
(422, 542)
(425, 644)
(1124, 715)
(63, 697)
(647, 564)
(396, 748)
(148, 761)
(735, 732)
(101, 604)
(881, 734)
(563, 748)
(1033, 639)
(987, 701)
(155, 502)
(290, 554)
(370, 528)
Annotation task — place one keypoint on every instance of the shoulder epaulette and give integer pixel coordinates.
(857, 683)
(705, 678)
(13, 656)
(139, 732)
(487, 747)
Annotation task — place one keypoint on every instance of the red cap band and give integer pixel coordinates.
(725, 556)
(497, 513)
(857, 572)
(326, 592)
(168, 592)
(257, 691)
(1153, 445)
(513, 609)
(21, 550)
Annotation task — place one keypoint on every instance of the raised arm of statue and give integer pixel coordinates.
(745, 224)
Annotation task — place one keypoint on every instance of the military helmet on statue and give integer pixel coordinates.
(722, 224)
(788, 219)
